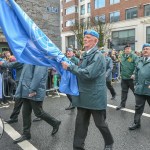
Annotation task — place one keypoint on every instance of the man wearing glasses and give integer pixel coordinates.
(142, 85)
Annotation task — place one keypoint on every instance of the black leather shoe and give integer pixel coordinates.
(36, 119)
(120, 107)
(113, 97)
(134, 126)
(56, 128)
(70, 107)
(22, 138)
(108, 147)
(10, 121)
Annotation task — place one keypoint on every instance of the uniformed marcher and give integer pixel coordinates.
(109, 68)
(142, 86)
(128, 63)
(32, 89)
(92, 99)
(71, 56)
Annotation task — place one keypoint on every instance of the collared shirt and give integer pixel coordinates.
(146, 58)
(89, 50)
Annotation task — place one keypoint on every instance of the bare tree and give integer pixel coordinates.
(104, 29)
(78, 30)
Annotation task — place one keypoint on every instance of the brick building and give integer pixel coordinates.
(129, 19)
(46, 14)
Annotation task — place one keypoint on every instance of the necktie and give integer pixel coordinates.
(126, 55)
(145, 59)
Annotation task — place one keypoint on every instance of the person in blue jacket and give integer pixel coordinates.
(142, 86)
(109, 68)
(32, 89)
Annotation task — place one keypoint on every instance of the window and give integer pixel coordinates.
(68, 1)
(100, 18)
(115, 16)
(82, 21)
(114, 1)
(99, 3)
(70, 23)
(131, 13)
(88, 8)
(71, 40)
(71, 9)
(148, 34)
(89, 19)
(147, 10)
(82, 10)
(121, 38)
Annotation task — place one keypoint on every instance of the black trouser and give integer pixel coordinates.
(28, 105)
(110, 87)
(139, 107)
(82, 123)
(17, 108)
(69, 97)
(125, 85)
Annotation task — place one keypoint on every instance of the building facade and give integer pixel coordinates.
(129, 19)
(46, 14)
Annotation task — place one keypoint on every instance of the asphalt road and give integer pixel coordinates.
(118, 122)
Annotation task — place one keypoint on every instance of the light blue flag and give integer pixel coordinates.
(0, 86)
(31, 46)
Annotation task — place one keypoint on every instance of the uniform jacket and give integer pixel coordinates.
(91, 81)
(75, 60)
(109, 68)
(128, 65)
(142, 78)
(33, 79)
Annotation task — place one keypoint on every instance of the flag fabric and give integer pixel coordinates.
(31, 46)
(0, 86)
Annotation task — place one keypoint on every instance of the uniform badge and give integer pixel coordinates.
(129, 59)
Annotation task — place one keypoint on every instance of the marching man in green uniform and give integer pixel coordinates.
(142, 85)
(128, 63)
(92, 99)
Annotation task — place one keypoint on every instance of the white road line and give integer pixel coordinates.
(62, 94)
(25, 145)
(128, 110)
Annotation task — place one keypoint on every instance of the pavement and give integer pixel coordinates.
(118, 122)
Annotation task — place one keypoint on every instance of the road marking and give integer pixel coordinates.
(128, 110)
(62, 94)
(25, 145)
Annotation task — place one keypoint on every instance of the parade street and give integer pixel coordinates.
(118, 122)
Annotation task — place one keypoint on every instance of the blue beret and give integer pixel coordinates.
(92, 32)
(103, 51)
(69, 49)
(146, 45)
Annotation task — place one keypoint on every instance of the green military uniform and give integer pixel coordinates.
(91, 81)
(142, 88)
(128, 63)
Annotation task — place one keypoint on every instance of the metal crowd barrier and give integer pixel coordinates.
(53, 84)
(6, 91)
